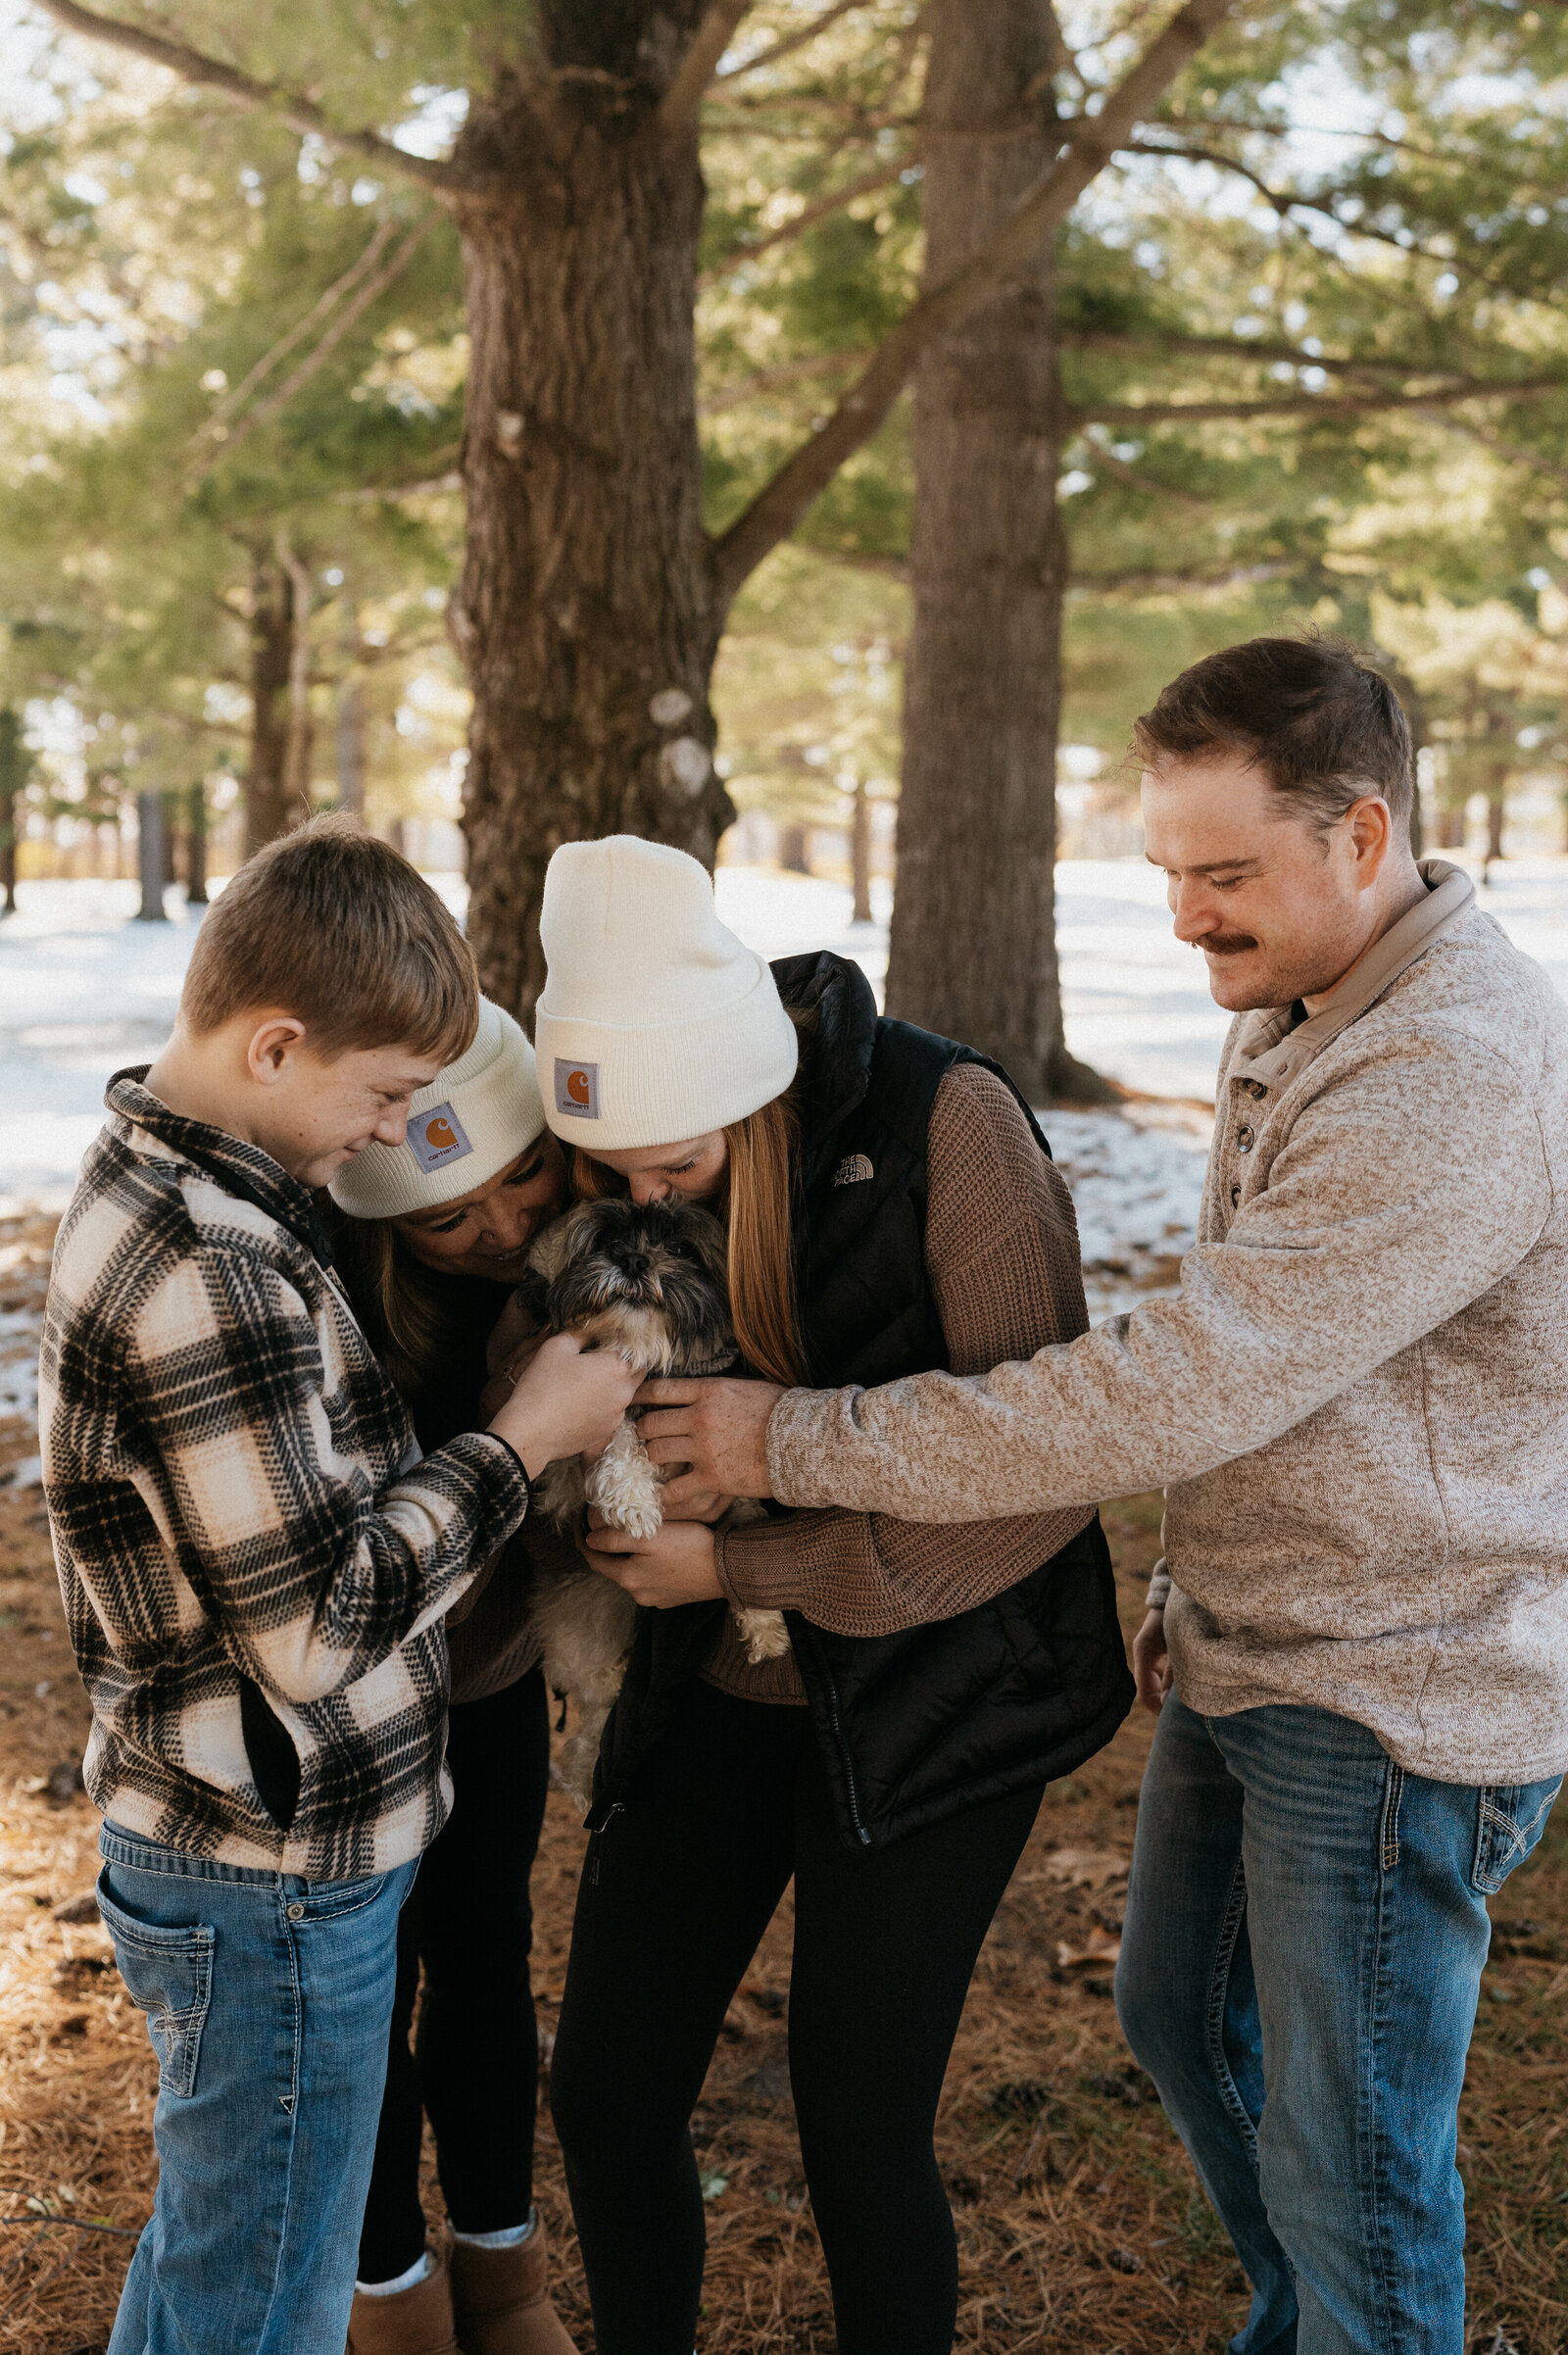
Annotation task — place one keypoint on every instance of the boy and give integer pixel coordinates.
(256, 1567)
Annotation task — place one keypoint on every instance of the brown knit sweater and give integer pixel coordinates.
(1002, 1252)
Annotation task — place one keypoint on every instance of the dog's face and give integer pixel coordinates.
(648, 1280)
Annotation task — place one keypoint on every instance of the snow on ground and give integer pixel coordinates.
(84, 989)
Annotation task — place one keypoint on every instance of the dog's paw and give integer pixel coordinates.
(766, 1635)
(578, 1758)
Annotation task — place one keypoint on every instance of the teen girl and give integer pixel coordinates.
(891, 1207)
(435, 1235)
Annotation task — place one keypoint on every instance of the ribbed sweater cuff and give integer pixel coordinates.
(757, 1566)
(516, 1473)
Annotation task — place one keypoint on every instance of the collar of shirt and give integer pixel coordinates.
(241, 1169)
(1270, 1052)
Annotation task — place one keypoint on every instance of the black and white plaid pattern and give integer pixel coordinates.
(236, 1494)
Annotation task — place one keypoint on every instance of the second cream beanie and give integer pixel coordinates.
(656, 1024)
(475, 1116)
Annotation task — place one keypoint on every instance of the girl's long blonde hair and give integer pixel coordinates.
(764, 1184)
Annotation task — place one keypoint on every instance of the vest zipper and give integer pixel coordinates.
(863, 1833)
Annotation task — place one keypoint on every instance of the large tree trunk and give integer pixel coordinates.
(267, 810)
(586, 615)
(974, 952)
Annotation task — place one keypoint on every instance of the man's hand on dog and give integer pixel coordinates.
(716, 1429)
(674, 1566)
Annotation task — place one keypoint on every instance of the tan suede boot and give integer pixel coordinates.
(410, 2321)
(500, 2301)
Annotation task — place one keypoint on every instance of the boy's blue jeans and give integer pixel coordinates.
(268, 2001)
(1305, 1931)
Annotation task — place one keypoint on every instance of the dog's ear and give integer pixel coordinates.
(552, 1249)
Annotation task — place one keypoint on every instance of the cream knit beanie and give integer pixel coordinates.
(473, 1119)
(656, 1024)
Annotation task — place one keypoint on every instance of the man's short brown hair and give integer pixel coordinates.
(1323, 726)
(340, 931)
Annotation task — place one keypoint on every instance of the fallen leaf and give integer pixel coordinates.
(1101, 1949)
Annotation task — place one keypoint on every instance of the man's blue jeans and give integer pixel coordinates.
(268, 2001)
(1305, 1931)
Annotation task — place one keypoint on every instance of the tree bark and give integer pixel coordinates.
(793, 849)
(300, 739)
(150, 858)
(14, 767)
(1496, 810)
(860, 854)
(973, 948)
(349, 717)
(196, 847)
(267, 811)
(587, 614)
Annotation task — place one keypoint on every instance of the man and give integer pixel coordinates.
(256, 1565)
(1358, 1406)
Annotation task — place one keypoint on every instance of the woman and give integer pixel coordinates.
(891, 1207)
(434, 1235)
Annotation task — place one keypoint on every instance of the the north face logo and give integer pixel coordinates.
(854, 1170)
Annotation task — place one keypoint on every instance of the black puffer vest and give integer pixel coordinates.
(917, 1726)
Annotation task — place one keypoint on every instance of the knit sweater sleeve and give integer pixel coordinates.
(1002, 1252)
(1414, 1177)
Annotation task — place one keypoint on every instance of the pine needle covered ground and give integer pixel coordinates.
(1080, 2224)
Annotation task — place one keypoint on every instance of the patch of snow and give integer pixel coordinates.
(1136, 1178)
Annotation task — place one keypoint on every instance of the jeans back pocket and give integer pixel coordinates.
(169, 1976)
(1510, 1818)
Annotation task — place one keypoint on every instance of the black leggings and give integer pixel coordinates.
(475, 2068)
(675, 1894)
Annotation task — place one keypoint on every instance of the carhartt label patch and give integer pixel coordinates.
(854, 1170)
(577, 1089)
(437, 1137)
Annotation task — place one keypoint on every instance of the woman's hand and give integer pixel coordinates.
(674, 1566)
(688, 1499)
(569, 1400)
(515, 1324)
(1151, 1663)
(719, 1430)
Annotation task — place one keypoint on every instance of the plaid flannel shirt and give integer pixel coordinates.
(246, 1535)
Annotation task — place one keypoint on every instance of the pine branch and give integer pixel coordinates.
(1121, 470)
(1091, 141)
(1157, 345)
(1134, 580)
(427, 484)
(238, 395)
(265, 410)
(807, 219)
(1199, 412)
(301, 114)
(789, 42)
(789, 372)
(680, 105)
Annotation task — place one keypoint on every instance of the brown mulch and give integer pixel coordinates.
(1080, 2223)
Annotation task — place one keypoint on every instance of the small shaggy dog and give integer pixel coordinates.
(649, 1281)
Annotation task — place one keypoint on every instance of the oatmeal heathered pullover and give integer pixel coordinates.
(1358, 1403)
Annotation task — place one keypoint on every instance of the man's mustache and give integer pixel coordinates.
(1225, 944)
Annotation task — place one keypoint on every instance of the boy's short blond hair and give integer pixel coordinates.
(340, 931)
